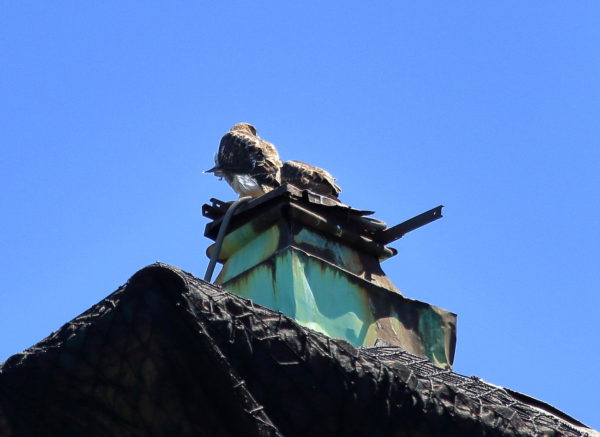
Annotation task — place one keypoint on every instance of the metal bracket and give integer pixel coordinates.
(395, 232)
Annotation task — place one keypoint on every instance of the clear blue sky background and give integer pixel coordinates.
(109, 112)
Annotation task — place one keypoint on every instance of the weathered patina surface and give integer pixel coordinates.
(320, 264)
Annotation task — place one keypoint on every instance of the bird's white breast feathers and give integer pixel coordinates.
(245, 185)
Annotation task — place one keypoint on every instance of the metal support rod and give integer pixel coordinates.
(395, 232)
(221, 236)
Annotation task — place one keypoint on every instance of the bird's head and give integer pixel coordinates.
(246, 128)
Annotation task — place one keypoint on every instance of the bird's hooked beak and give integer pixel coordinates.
(216, 171)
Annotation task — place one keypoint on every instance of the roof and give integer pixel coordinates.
(170, 353)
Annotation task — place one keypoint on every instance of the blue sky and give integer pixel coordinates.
(109, 113)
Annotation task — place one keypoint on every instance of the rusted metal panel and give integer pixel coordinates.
(330, 300)
(388, 235)
(320, 264)
(256, 248)
(316, 296)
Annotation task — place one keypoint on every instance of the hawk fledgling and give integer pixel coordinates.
(311, 178)
(249, 164)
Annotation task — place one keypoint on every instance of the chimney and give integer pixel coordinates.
(318, 261)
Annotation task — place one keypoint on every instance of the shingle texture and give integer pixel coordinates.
(168, 353)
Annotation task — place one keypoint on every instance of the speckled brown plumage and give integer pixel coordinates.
(242, 153)
(309, 177)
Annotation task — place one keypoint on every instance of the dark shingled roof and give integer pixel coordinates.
(168, 353)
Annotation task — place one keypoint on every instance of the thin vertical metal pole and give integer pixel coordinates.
(221, 236)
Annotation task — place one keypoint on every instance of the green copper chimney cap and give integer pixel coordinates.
(314, 264)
